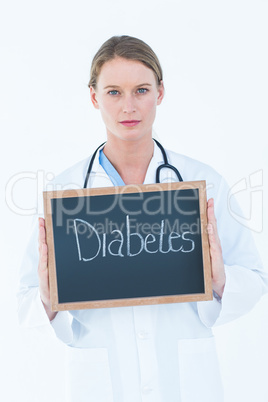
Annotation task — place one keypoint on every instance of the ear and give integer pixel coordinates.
(161, 92)
(93, 97)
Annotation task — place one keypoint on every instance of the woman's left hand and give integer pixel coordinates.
(217, 265)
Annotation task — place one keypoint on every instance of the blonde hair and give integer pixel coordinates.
(126, 47)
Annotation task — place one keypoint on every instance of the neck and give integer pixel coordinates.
(130, 158)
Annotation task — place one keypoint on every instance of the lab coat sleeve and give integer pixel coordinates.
(31, 312)
(246, 280)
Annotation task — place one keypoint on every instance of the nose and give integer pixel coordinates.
(129, 105)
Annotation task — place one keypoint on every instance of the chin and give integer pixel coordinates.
(128, 135)
(134, 135)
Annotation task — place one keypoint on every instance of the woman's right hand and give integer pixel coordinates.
(43, 270)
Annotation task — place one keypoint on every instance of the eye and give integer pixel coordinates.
(113, 92)
(142, 90)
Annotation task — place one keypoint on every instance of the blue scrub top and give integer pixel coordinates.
(110, 170)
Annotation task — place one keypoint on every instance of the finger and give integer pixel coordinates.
(42, 233)
(217, 264)
(214, 241)
(43, 276)
(43, 259)
(212, 219)
(210, 211)
(41, 222)
(211, 236)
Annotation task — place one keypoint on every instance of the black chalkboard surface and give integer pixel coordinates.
(130, 245)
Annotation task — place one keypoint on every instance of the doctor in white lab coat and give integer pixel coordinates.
(155, 353)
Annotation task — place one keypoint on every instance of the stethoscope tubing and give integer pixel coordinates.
(157, 176)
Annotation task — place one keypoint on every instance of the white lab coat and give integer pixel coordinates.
(150, 353)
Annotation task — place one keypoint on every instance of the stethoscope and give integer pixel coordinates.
(157, 175)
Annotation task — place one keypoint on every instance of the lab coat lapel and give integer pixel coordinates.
(156, 160)
(98, 176)
(166, 175)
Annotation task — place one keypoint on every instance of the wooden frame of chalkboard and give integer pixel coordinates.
(127, 246)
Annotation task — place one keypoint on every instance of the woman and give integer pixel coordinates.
(158, 352)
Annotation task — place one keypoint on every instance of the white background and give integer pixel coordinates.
(214, 57)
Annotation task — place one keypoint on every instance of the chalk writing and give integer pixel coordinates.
(121, 244)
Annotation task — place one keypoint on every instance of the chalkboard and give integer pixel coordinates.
(129, 245)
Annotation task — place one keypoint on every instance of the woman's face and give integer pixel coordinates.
(127, 95)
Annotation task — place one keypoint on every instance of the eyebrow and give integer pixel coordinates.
(117, 86)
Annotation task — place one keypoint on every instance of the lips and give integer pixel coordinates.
(130, 123)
